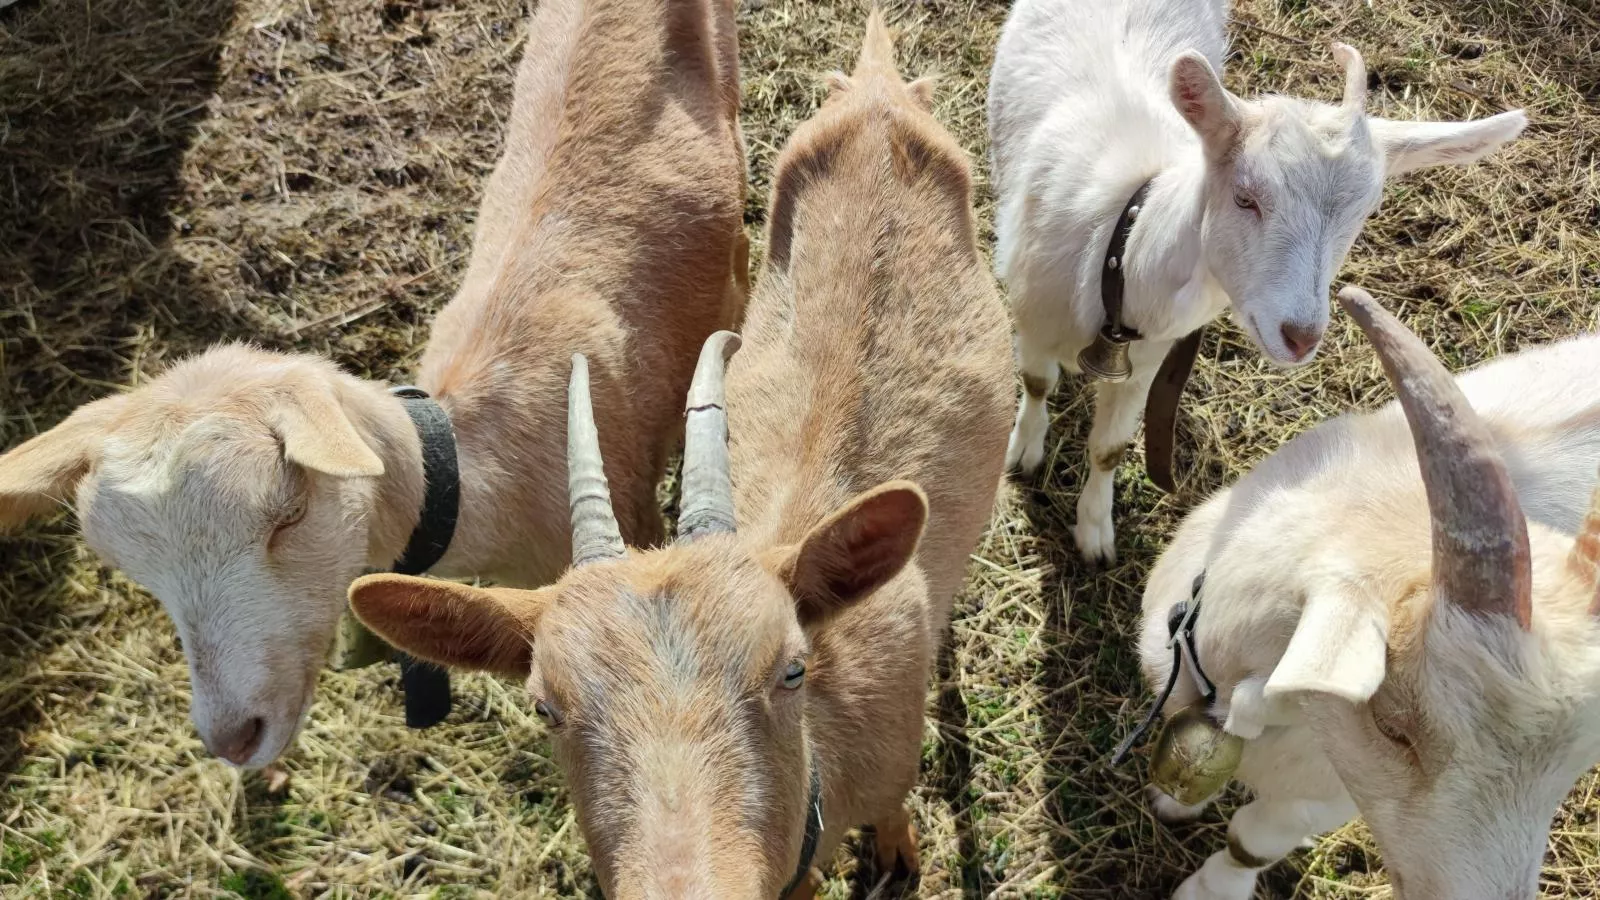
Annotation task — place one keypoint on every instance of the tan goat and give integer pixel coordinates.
(246, 489)
(726, 708)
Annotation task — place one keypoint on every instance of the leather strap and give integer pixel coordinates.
(1112, 283)
(427, 686)
(813, 836)
(1161, 410)
(1181, 620)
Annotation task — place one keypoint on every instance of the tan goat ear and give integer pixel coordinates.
(485, 629)
(42, 473)
(854, 551)
(1416, 145)
(1340, 647)
(317, 433)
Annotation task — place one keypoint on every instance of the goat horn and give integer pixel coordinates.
(707, 503)
(1586, 552)
(1355, 76)
(1480, 538)
(595, 535)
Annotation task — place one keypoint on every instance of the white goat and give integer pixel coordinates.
(1418, 643)
(1252, 204)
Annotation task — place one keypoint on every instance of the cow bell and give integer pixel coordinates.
(1107, 358)
(1194, 757)
(356, 646)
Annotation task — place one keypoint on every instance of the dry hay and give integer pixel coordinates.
(302, 174)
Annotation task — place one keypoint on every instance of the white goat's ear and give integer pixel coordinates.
(1205, 104)
(1416, 145)
(317, 433)
(46, 469)
(1340, 647)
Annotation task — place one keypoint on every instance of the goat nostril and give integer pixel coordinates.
(1300, 339)
(243, 743)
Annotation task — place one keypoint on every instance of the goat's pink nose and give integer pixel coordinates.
(1300, 339)
(238, 742)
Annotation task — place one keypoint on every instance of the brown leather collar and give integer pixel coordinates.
(1161, 403)
(1112, 282)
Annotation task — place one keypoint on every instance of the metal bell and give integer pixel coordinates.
(1194, 757)
(1107, 358)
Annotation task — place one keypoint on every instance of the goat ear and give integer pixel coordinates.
(488, 629)
(44, 471)
(1416, 145)
(1205, 104)
(921, 92)
(1339, 647)
(854, 551)
(317, 433)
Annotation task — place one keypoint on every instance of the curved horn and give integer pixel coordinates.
(1586, 552)
(1480, 538)
(1355, 77)
(595, 535)
(707, 503)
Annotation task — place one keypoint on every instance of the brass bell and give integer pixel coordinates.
(1107, 358)
(1194, 757)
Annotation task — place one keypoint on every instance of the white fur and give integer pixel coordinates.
(1317, 571)
(1083, 108)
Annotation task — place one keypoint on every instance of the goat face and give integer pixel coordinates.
(676, 689)
(1289, 183)
(233, 488)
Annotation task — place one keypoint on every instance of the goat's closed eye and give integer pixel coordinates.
(1396, 735)
(1245, 201)
(290, 515)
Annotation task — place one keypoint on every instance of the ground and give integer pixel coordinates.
(303, 174)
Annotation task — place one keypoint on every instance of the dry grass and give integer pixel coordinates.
(303, 173)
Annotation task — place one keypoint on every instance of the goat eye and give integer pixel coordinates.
(293, 513)
(794, 675)
(547, 713)
(1245, 201)
(1395, 735)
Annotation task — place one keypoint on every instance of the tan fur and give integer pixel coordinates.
(612, 226)
(875, 349)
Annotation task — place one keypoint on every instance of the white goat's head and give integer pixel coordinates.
(1289, 184)
(234, 488)
(1452, 674)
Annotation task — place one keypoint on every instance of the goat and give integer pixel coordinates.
(727, 707)
(1251, 204)
(1404, 624)
(247, 489)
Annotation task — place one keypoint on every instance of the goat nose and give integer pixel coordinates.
(238, 742)
(1300, 339)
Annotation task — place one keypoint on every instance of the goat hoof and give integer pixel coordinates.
(1169, 811)
(1096, 542)
(1024, 457)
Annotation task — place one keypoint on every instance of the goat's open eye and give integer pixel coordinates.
(547, 713)
(1245, 201)
(794, 675)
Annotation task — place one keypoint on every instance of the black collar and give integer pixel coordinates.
(808, 847)
(441, 499)
(1180, 631)
(426, 686)
(1111, 278)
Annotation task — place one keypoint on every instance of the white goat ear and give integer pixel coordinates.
(317, 433)
(1416, 145)
(1205, 104)
(1340, 647)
